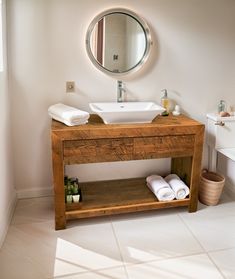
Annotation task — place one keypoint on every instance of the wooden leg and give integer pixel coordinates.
(185, 169)
(193, 204)
(194, 185)
(60, 219)
(182, 167)
(58, 178)
(60, 223)
(196, 171)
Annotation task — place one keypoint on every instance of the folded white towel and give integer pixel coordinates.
(180, 189)
(67, 122)
(68, 115)
(160, 188)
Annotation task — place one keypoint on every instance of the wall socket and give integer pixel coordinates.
(70, 86)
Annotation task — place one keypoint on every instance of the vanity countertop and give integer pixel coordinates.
(161, 125)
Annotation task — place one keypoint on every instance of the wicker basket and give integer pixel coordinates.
(211, 187)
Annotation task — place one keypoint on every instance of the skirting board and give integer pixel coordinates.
(6, 222)
(34, 193)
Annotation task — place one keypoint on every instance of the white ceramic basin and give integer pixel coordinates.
(127, 112)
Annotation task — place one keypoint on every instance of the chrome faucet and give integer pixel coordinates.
(120, 91)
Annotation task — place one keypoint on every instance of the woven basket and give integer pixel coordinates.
(211, 187)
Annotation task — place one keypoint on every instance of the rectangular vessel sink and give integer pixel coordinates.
(126, 112)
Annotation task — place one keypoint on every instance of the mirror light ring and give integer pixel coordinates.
(143, 25)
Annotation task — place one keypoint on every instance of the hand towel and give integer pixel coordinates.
(160, 188)
(180, 189)
(68, 115)
(67, 122)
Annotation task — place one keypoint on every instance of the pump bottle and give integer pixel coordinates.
(165, 102)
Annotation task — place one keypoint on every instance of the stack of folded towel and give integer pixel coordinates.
(68, 115)
(169, 188)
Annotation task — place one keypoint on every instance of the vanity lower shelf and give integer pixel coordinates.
(115, 197)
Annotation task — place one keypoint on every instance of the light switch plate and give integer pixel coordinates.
(70, 86)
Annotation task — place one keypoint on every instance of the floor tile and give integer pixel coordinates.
(168, 243)
(114, 273)
(191, 267)
(90, 245)
(34, 210)
(23, 242)
(225, 261)
(154, 237)
(90, 248)
(14, 267)
(225, 205)
(213, 226)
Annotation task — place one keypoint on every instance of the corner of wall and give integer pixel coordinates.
(8, 214)
(34, 193)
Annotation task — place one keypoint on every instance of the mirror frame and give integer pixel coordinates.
(144, 27)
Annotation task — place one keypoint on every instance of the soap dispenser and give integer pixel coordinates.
(165, 102)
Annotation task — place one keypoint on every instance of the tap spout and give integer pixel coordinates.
(120, 91)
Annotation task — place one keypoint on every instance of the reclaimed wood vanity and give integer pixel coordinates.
(177, 137)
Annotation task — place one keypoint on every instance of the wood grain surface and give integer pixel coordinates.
(177, 137)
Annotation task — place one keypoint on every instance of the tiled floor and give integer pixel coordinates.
(163, 244)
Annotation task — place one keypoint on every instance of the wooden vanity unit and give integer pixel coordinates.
(177, 137)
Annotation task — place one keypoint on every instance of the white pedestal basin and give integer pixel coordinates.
(126, 112)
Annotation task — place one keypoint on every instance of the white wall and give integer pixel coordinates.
(193, 56)
(7, 192)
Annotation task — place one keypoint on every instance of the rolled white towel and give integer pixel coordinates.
(180, 189)
(160, 188)
(68, 115)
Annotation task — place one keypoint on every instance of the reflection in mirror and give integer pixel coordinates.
(117, 42)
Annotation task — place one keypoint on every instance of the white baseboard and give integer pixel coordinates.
(229, 189)
(5, 223)
(35, 193)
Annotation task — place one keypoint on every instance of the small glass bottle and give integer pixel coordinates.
(165, 102)
(221, 106)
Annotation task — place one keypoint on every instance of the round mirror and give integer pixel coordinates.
(118, 41)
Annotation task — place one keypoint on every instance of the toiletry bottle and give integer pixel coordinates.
(221, 106)
(165, 102)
